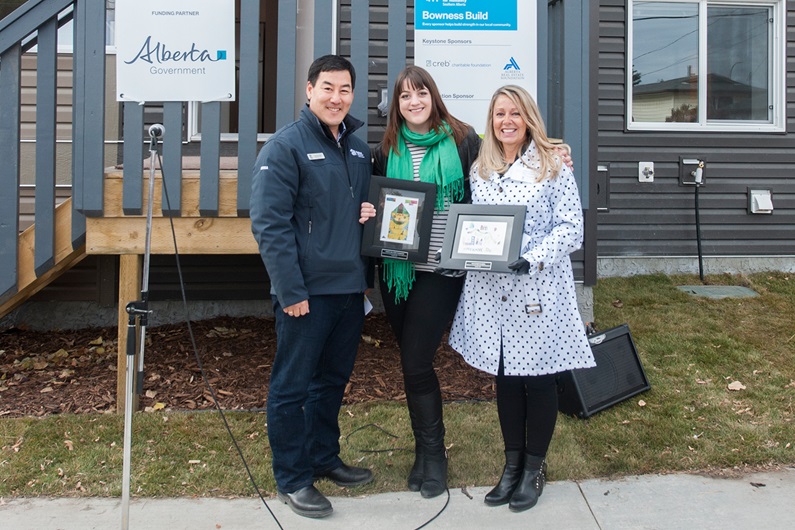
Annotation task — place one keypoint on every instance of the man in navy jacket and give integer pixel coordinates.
(309, 181)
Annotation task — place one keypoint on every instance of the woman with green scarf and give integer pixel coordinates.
(424, 142)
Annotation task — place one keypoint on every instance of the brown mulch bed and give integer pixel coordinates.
(54, 372)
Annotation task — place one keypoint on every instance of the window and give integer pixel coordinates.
(706, 65)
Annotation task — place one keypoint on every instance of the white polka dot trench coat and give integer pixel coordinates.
(493, 309)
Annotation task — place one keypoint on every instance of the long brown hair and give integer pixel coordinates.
(418, 78)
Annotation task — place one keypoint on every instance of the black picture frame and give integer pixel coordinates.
(482, 237)
(399, 202)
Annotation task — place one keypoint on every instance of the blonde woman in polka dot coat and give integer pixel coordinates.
(524, 327)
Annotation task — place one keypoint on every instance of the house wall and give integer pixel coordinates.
(63, 155)
(379, 26)
(651, 226)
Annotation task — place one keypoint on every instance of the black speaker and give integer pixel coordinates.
(618, 375)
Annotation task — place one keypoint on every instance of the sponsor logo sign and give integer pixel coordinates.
(175, 50)
(473, 47)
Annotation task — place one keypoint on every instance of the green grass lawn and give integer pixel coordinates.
(695, 352)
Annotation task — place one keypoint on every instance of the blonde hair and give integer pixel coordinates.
(491, 157)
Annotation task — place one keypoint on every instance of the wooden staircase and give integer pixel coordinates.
(28, 283)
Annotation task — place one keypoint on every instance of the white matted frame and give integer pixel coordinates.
(401, 228)
(482, 237)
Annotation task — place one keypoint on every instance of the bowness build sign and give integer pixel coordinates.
(461, 14)
(175, 50)
(473, 47)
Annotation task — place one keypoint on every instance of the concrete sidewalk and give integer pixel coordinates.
(648, 502)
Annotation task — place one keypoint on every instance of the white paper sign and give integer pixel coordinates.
(473, 47)
(175, 50)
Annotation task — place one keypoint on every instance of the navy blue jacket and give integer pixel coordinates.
(306, 196)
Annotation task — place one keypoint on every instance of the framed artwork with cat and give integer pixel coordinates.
(401, 228)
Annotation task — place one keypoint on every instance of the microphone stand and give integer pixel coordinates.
(138, 312)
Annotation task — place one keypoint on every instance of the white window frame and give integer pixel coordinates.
(777, 81)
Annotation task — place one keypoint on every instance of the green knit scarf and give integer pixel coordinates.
(441, 165)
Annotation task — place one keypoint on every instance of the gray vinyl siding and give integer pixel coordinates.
(64, 83)
(378, 29)
(84, 282)
(207, 277)
(210, 277)
(658, 219)
(64, 97)
(27, 204)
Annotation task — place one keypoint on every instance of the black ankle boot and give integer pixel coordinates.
(502, 492)
(530, 485)
(426, 414)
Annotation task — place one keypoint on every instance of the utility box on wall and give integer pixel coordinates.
(692, 171)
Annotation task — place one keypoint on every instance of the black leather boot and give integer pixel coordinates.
(530, 485)
(435, 471)
(429, 433)
(502, 492)
(415, 475)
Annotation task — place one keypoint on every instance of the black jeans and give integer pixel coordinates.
(419, 323)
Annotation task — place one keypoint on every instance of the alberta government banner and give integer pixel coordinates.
(175, 50)
(473, 47)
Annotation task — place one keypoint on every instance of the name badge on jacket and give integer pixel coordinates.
(522, 174)
(316, 156)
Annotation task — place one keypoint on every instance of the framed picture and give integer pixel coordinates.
(401, 228)
(482, 237)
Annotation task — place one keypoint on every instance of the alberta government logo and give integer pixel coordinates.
(511, 71)
(189, 61)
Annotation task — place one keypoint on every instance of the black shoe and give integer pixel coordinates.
(531, 485)
(503, 491)
(346, 475)
(308, 502)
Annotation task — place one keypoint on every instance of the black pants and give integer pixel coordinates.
(528, 410)
(419, 323)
